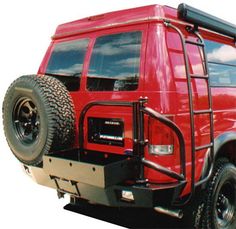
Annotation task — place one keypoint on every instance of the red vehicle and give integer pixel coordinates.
(134, 108)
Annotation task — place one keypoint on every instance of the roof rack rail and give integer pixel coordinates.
(205, 20)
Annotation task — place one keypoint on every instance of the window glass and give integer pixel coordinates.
(220, 53)
(115, 63)
(67, 58)
(222, 64)
(222, 75)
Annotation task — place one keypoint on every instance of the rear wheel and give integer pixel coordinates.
(220, 204)
(215, 207)
(38, 117)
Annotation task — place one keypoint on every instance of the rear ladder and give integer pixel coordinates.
(200, 43)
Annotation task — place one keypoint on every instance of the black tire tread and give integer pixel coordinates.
(197, 214)
(219, 167)
(59, 108)
(193, 212)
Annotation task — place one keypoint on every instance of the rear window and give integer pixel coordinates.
(115, 63)
(67, 60)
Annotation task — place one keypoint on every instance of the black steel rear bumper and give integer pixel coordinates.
(103, 182)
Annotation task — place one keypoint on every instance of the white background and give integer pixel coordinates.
(25, 30)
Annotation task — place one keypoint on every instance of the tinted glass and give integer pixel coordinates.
(222, 64)
(220, 53)
(115, 63)
(67, 58)
(222, 75)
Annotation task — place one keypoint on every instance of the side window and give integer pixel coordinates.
(66, 62)
(115, 62)
(222, 64)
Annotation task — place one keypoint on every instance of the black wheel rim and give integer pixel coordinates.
(26, 120)
(225, 205)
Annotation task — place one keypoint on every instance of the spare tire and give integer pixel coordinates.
(38, 117)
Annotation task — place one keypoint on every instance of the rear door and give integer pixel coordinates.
(114, 72)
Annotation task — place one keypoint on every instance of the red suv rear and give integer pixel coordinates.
(130, 108)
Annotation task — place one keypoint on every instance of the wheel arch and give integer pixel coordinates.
(224, 146)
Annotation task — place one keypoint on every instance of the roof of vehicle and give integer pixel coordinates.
(127, 16)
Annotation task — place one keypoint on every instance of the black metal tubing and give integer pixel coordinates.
(191, 110)
(139, 143)
(212, 145)
(141, 140)
(162, 169)
(154, 114)
(135, 126)
(138, 127)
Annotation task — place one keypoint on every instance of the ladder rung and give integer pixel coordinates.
(203, 111)
(199, 76)
(194, 43)
(203, 147)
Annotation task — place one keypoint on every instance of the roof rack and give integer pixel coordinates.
(205, 20)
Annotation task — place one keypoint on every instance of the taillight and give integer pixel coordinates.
(161, 138)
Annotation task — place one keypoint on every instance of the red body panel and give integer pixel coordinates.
(162, 80)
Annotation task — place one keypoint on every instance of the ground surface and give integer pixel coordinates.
(129, 218)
